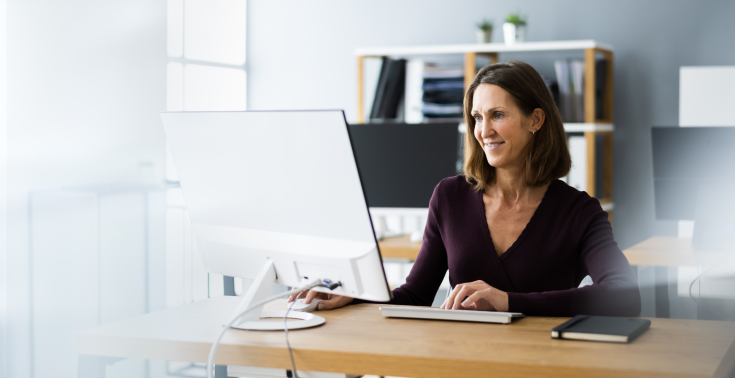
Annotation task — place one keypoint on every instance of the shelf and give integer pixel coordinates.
(591, 127)
(482, 48)
(571, 127)
(583, 127)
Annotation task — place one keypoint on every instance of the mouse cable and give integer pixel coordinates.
(213, 349)
(294, 374)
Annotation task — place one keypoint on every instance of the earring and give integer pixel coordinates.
(533, 132)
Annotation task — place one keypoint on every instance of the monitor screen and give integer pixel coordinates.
(401, 164)
(279, 188)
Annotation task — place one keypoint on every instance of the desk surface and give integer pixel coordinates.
(358, 340)
(399, 247)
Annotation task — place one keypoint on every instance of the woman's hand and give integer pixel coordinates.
(480, 297)
(330, 301)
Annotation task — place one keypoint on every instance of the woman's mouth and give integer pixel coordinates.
(493, 145)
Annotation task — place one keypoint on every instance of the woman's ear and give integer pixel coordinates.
(537, 119)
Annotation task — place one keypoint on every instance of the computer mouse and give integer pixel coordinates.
(301, 306)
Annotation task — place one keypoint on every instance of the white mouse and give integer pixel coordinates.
(301, 306)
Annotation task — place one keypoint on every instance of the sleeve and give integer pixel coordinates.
(431, 263)
(615, 288)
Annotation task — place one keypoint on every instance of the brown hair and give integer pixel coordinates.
(548, 158)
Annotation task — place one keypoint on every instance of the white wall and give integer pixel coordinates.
(86, 80)
(3, 196)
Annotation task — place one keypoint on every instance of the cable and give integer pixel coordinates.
(294, 374)
(700, 276)
(213, 349)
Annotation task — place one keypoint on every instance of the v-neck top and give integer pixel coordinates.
(523, 233)
(568, 237)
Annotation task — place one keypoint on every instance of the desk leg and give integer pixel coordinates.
(94, 366)
(662, 291)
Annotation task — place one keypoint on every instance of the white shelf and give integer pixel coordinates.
(582, 127)
(570, 127)
(482, 48)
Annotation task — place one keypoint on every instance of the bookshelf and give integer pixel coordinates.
(591, 128)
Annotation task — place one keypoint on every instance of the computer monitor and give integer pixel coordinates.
(694, 179)
(276, 197)
(402, 163)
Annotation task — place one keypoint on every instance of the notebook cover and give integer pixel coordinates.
(603, 325)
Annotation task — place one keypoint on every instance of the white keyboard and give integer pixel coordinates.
(456, 315)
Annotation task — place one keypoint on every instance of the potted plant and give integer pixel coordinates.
(514, 28)
(484, 31)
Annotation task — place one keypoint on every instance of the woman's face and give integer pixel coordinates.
(502, 129)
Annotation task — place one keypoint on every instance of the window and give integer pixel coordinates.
(206, 71)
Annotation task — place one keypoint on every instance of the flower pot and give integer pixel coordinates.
(484, 36)
(513, 33)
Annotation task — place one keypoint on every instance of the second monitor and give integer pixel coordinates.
(401, 164)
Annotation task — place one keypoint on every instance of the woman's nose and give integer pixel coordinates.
(485, 130)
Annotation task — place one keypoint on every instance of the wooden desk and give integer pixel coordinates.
(358, 340)
(399, 247)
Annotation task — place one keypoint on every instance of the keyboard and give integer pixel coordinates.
(455, 315)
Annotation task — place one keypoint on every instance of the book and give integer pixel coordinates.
(562, 78)
(389, 91)
(371, 71)
(601, 328)
(380, 89)
(577, 75)
(600, 84)
(443, 92)
(414, 91)
(395, 85)
(553, 87)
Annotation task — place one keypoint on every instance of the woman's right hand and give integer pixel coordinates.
(329, 301)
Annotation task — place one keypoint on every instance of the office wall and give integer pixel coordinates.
(300, 56)
(86, 80)
(3, 196)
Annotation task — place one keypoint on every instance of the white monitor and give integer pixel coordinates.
(276, 196)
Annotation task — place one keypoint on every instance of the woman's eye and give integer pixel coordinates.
(478, 118)
(499, 115)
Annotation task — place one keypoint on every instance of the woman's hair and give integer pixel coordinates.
(548, 158)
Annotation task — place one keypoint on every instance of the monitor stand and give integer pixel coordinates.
(260, 290)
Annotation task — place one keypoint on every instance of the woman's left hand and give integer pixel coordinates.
(480, 297)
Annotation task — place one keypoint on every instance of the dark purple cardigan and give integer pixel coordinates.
(568, 237)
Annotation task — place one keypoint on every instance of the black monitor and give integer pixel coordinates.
(400, 163)
(694, 179)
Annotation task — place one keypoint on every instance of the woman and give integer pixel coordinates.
(513, 236)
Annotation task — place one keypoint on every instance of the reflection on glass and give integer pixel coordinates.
(213, 88)
(215, 31)
(175, 28)
(174, 87)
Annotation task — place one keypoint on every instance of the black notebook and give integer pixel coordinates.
(601, 328)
